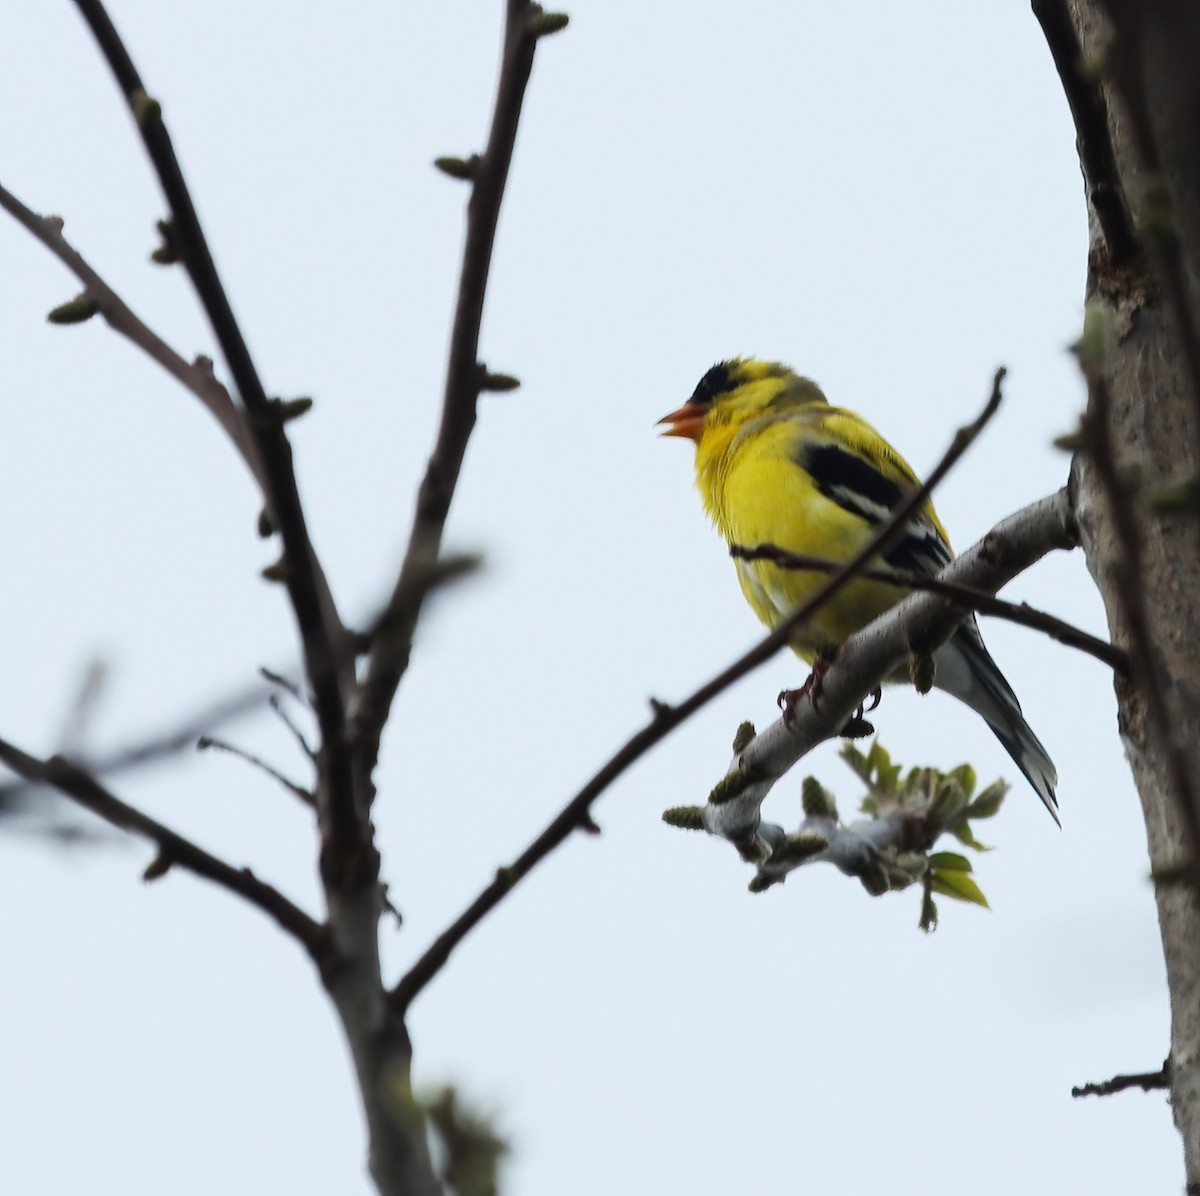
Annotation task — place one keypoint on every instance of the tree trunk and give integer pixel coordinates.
(1134, 92)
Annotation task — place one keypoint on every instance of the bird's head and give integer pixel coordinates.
(737, 390)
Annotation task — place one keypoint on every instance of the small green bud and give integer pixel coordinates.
(74, 311)
(688, 818)
(817, 801)
(543, 24)
(463, 169)
(921, 669)
(157, 868)
(1095, 341)
(280, 570)
(761, 883)
(1069, 442)
(146, 109)
(167, 253)
(498, 382)
(290, 409)
(801, 846)
(743, 737)
(728, 787)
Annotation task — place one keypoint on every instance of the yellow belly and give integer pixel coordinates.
(763, 497)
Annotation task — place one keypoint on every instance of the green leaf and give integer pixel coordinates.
(959, 886)
(949, 861)
(964, 774)
(988, 803)
(962, 832)
(857, 761)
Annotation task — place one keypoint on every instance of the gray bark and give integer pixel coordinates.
(1149, 111)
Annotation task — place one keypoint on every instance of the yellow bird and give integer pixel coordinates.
(776, 464)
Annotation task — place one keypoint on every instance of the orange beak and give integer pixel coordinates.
(687, 421)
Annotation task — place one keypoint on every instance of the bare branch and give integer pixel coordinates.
(196, 376)
(464, 378)
(328, 658)
(1146, 1081)
(966, 596)
(173, 848)
(576, 813)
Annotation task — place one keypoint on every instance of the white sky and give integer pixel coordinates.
(885, 196)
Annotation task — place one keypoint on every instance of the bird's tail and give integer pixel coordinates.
(965, 669)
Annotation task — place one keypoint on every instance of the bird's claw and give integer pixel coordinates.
(789, 699)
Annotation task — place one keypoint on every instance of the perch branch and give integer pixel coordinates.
(966, 596)
(733, 809)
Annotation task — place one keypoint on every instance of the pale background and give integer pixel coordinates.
(884, 195)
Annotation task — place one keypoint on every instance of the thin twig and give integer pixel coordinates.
(206, 742)
(327, 658)
(196, 376)
(78, 722)
(154, 748)
(968, 596)
(401, 606)
(173, 848)
(287, 720)
(1146, 1081)
(666, 718)
(1149, 672)
(392, 649)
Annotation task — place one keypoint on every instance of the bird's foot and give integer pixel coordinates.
(789, 699)
(857, 726)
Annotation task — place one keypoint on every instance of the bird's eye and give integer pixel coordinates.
(718, 381)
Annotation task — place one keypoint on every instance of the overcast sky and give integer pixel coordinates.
(887, 197)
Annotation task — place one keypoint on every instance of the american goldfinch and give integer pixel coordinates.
(776, 464)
